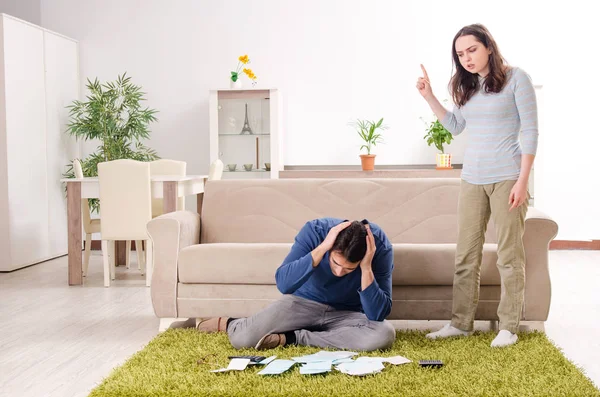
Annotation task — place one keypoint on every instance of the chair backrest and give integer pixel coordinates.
(125, 199)
(167, 167)
(85, 206)
(216, 170)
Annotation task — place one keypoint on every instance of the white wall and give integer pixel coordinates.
(567, 183)
(28, 10)
(338, 60)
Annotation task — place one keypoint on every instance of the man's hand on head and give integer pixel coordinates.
(367, 261)
(333, 234)
(366, 264)
(327, 244)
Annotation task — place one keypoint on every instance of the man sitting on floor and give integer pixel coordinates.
(337, 286)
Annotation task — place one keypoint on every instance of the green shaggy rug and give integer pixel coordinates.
(169, 366)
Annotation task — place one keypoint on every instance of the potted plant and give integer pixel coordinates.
(367, 130)
(438, 136)
(112, 115)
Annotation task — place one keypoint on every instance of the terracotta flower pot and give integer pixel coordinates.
(367, 161)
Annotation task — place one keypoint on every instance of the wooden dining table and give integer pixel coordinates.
(166, 187)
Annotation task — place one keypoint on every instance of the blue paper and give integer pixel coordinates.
(343, 360)
(323, 356)
(317, 367)
(277, 367)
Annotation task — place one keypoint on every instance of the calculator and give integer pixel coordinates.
(431, 363)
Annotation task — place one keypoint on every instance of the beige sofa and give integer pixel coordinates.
(223, 262)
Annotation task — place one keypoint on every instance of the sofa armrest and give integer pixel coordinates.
(540, 230)
(170, 233)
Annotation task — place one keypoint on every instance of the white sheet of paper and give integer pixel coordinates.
(369, 359)
(397, 360)
(277, 367)
(361, 368)
(236, 364)
(267, 360)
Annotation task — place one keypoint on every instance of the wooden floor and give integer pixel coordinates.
(62, 341)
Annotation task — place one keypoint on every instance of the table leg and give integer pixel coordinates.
(74, 232)
(169, 197)
(199, 200)
(120, 252)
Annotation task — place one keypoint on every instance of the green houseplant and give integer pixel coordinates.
(113, 115)
(368, 132)
(438, 135)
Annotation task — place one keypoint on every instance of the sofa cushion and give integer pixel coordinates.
(274, 210)
(236, 263)
(433, 264)
(231, 263)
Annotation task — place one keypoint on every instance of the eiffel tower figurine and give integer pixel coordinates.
(246, 127)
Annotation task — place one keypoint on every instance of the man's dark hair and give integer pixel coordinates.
(352, 242)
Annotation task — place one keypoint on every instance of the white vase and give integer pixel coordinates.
(443, 161)
(235, 84)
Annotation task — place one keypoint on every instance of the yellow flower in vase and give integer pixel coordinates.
(250, 75)
(235, 75)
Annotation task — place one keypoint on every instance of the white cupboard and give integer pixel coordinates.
(39, 78)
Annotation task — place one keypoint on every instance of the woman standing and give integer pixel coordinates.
(496, 103)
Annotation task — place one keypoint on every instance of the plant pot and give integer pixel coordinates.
(443, 161)
(235, 84)
(367, 161)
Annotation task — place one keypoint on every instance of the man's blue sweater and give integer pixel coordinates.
(297, 275)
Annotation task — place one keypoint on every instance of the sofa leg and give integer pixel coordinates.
(171, 322)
